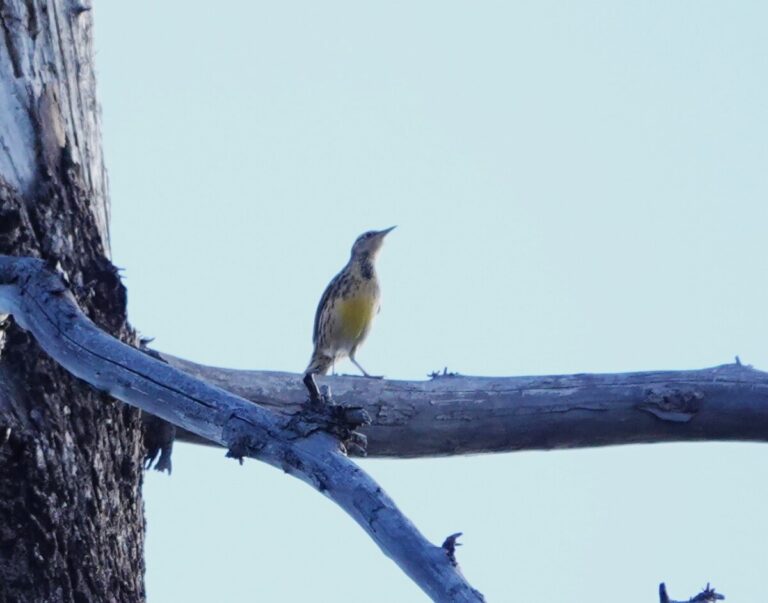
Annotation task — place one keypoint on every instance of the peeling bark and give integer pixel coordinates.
(708, 595)
(71, 516)
(48, 101)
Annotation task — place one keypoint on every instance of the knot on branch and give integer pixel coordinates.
(675, 405)
(341, 422)
(243, 446)
(244, 437)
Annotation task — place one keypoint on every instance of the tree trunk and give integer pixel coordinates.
(71, 515)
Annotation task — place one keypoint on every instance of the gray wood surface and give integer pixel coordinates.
(48, 100)
(470, 415)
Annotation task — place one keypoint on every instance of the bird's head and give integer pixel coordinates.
(369, 243)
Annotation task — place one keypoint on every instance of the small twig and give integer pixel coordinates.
(445, 373)
(449, 545)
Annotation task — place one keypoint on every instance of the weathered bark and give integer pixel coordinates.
(300, 445)
(451, 415)
(71, 516)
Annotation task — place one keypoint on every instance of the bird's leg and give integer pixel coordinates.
(314, 392)
(362, 370)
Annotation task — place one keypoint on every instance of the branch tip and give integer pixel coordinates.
(708, 595)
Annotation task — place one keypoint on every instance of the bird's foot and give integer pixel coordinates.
(362, 370)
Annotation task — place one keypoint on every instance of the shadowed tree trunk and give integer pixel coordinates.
(71, 515)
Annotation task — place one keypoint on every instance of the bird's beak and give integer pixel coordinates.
(386, 231)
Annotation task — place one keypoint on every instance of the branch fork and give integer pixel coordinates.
(40, 303)
(343, 422)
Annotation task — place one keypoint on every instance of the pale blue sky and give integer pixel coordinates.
(579, 187)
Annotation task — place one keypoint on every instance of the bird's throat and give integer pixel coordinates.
(364, 265)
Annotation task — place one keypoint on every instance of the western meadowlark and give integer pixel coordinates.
(346, 310)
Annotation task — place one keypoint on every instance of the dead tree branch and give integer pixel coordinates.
(40, 302)
(468, 415)
(708, 595)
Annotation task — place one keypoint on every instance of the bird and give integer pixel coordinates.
(346, 310)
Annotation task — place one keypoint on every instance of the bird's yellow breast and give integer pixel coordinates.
(356, 314)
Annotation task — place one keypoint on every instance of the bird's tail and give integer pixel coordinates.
(319, 364)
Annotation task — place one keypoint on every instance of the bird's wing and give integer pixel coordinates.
(332, 286)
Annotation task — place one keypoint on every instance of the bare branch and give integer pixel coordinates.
(41, 304)
(708, 595)
(467, 415)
